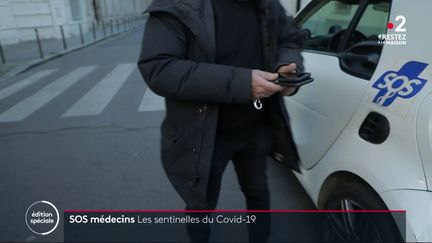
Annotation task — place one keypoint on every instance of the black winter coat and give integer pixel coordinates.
(177, 62)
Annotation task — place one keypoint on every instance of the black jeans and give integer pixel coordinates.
(249, 156)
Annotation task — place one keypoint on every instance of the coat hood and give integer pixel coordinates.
(193, 12)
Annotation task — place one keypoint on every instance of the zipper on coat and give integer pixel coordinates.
(197, 177)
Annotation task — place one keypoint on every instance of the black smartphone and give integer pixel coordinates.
(294, 79)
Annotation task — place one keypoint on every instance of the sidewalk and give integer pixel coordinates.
(24, 55)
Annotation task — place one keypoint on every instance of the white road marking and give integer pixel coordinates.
(97, 99)
(20, 85)
(28, 106)
(151, 102)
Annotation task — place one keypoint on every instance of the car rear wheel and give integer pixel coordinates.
(354, 226)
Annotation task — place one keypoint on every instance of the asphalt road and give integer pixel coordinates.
(82, 131)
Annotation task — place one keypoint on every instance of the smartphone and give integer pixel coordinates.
(294, 79)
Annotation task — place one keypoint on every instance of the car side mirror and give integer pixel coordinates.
(361, 59)
(307, 34)
(334, 29)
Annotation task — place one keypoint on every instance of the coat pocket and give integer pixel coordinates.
(177, 160)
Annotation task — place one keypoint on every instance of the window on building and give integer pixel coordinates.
(75, 6)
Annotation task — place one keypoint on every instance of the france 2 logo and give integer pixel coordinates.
(400, 27)
(404, 84)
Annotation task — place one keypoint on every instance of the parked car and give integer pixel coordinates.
(363, 129)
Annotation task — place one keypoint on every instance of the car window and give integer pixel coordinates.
(325, 24)
(372, 23)
(362, 49)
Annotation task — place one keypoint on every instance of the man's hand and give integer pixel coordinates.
(285, 70)
(262, 87)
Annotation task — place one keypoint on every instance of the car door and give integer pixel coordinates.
(341, 51)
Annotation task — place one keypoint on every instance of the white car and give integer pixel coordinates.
(363, 128)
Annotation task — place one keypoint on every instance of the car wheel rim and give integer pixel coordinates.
(349, 226)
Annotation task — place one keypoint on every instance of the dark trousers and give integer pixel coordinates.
(249, 156)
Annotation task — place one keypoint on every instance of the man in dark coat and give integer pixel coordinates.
(211, 59)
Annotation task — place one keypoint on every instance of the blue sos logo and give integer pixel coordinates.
(404, 83)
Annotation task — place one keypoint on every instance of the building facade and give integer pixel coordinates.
(18, 18)
(291, 6)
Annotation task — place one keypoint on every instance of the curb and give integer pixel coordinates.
(32, 64)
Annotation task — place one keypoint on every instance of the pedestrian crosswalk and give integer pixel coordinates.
(94, 102)
(6, 92)
(151, 102)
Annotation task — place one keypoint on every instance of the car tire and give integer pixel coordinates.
(355, 226)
